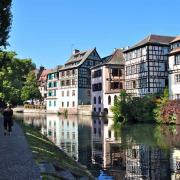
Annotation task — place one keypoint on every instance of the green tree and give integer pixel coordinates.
(12, 76)
(31, 91)
(5, 21)
(160, 104)
(121, 107)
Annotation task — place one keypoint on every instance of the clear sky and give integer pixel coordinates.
(47, 30)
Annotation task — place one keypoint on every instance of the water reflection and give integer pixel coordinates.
(131, 152)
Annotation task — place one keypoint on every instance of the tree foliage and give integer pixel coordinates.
(160, 104)
(134, 109)
(5, 21)
(30, 89)
(13, 72)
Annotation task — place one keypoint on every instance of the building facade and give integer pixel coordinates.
(75, 80)
(53, 91)
(147, 65)
(42, 83)
(107, 81)
(174, 69)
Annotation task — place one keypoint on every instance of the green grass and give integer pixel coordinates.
(45, 151)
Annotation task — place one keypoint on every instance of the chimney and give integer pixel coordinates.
(75, 51)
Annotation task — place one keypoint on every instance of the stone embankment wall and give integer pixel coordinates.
(85, 110)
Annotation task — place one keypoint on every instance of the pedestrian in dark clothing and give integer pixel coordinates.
(8, 122)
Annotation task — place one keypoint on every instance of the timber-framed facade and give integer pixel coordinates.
(147, 65)
(107, 81)
(75, 80)
(174, 69)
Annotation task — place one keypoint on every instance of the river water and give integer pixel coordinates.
(130, 152)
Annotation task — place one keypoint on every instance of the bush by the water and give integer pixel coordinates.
(149, 108)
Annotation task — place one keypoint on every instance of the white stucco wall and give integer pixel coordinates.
(174, 88)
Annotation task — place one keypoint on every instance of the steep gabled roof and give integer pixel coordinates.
(116, 57)
(78, 58)
(177, 38)
(43, 76)
(152, 39)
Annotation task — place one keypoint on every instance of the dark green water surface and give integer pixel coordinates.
(129, 152)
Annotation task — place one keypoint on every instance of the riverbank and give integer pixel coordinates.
(53, 161)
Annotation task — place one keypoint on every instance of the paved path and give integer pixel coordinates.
(16, 162)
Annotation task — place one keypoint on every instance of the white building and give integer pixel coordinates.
(146, 65)
(53, 94)
(42, 83)
(107, 81)
(174, 69)
(75, 80)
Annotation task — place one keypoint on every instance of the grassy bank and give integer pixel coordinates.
(45, 151)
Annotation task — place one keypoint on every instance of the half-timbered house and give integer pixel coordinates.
(107, 81)
(174, 69)
(147, 65)
(75, 80)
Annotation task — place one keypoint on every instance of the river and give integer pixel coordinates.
(131, 152)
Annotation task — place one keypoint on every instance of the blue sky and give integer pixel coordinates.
(47, 30)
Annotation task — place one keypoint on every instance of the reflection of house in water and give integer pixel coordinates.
(106, 150)
(127, 160)
(64, 133)
(84, 139)
(175, 164)
(144, 162)
(36, 120)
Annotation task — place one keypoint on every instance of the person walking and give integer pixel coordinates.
(8, 121)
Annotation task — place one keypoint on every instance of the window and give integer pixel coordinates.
(88, 93)
(50, 84)
(49, 103)
(54, 103)
(133, 69)
(73, 92)
(68, 104)
(177, 78)
(115, 72)
(115, 85)
(62, 93)
(109, 100)
(67, 82)
(177, 59)
(99, 99)
(62, 104)
(94, 109)
(67, 73)
(73, 72)
(73, 104)
(128, 70)
(94, 100)
(121, 85)
(134, 84)
(99, 109)
(177, 96)
(62, 83)
(97, 87)
(97, 73)
(67, 93)
(73, 81)
(62, 73)
(55, 84)
(115, 99)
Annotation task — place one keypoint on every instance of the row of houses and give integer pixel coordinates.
(87, 79)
